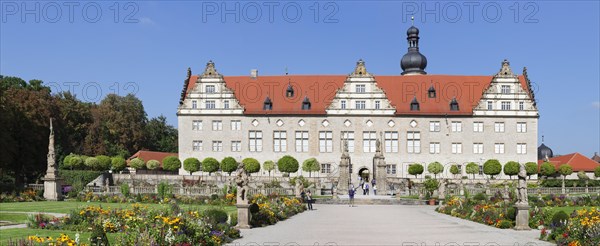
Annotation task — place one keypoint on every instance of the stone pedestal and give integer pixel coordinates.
(243, 214)
(52, 189)
(344, 178)
(522, 219)
(381, 175)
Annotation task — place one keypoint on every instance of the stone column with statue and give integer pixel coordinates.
(52, 183)
(522, 205)
(243, 207)
(344, 171)
(380, 169)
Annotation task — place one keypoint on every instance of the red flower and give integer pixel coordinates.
(565, 235)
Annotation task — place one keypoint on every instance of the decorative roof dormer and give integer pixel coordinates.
(267, 104)
(210, 70)
(289, 92)
(505, 71)
(414, 105)
(306, 103)
(413, 62)
(360, 69)
(454, 105)
(431, 92)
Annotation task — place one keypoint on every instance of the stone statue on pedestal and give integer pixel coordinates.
(243, 211)
(522, 205)
(52, 187)
(522, 186)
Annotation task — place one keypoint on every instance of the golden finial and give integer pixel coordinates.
(412, 19)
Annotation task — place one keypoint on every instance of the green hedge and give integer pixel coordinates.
(568, 183)
(78, 178)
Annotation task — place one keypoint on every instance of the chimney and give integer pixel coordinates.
(254, 73)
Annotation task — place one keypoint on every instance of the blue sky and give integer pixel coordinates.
(146, 47)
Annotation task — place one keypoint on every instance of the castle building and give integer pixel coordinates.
(417, 117)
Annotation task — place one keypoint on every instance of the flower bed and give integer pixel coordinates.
(494, 212)
(564, 201)
(28, 195)
(228, 199)
(582, 227)
(274, 208)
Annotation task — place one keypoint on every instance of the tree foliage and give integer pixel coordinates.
(531, 168)
(269, 166)
(73, 161)
(415, 169)
(104, 163)
(288, 164)
(153, 164)
(582, 176)
(597, 172)
(492, 167)
(229, 165)
(210, 165)
(92, 163)
(251, 165)
(565, 170)
(160, 136)
(454, 169)
(171, 163)
(118, 163)
(311, 165)
(191, 165)
(512, 168)
(137, 164)
(435, 168)
(472, 168)
(547, 169)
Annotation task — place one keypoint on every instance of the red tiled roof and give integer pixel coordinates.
(578, 161)
(151, 155)
(321, 89)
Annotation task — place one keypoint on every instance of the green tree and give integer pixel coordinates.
(171, 163)
(72, 120)
(531, 168)
(597, 172)
(191, 165)
(435, 168)
(229, 165)
(269, 166)
(430, 186)
(118, 163)
(311, 165)
(137, 164)
(73, 161)
(565, 170)
(583, 177)
(210, 165)
(152, 164)
(251, 165)
(472, 168)
(492, 167)
(454, 170)
(160, 136)
(511, 168)
(104, 163)
(288, 164)
(92, 163)
(415, 169)
(547, 169)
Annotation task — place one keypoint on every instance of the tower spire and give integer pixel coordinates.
(413, 62)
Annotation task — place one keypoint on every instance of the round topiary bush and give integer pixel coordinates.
(153, 164)
(415, 169)
(191, 165)
(104, 163)
(118, 163)
(92, 163)
(560, 218)
(251, 165)
(210, 165)
(215, 215)
(288, 164)
(171, 163)
(137, 163)
(492, 167)
(512, 168)
(229, 165)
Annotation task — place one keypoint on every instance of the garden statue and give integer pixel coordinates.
(522, 186)
(299, 188)
(522, 205)
(442, 189)
(505, 194)
(52, 187)
(242, 185)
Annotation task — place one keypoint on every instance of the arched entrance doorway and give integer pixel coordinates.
(364, 173)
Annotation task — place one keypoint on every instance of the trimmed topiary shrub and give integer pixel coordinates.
(269, 166)
(137, 164)
(531, 168)
(415, 169)
(191, 165)
(216, 216)
(73, 161)
(104, 163)
(210, 165)
(118, 163)
(511, 168)
(288, 164)
(472, 168)
(251, 165)
(152, 164)
(560, 218)
(171, 163)
(435, 168)
(454, 170)
(229, 165)
(492, 167)
(547, 169)
(311, 165)
(92, 163)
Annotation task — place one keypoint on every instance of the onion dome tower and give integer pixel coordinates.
(413, 62)
(544, 152)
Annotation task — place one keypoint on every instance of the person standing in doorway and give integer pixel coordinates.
(351, 196)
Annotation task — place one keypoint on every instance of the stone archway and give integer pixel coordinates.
(365, 173)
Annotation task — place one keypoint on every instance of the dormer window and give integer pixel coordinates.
(305, 104)
(414, 105)
(431, 92)
(267, 104)
(454, 105)
(289, 92)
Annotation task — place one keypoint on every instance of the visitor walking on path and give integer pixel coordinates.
(374, 189)
(309, 200)
(351, 196)
(366, 189)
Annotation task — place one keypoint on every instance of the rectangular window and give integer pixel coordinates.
(226, 104)
(434, 148)
(360, 104)
(360, 89)
(279, 141)
(217, 146)
(480, 170)
(255, 138)
(301, 141)
(369, 139)
(477, 148)
(490, 105)
(390, 169)
(325, 167)
(194, 104)
(521, 127)
(210, 89)
(505, 105)
(210, 104)
(521, 106)
(349, 137)
(505, 89)
(217, 125)
(197, 145)
(391, 142)
(377, 104)
(236, 125)
(196, 125)
(413, 142)
(456, 126)
(343, 104)
(499, 148)
(434, 126)
(521, 148)
(456, 148)
(236, 146)
(325, 141)
(478, 126)
(499, 127)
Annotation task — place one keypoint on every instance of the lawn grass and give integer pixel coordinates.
(567, 210)
(23, 233)
(66, 206)
(13, 218)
